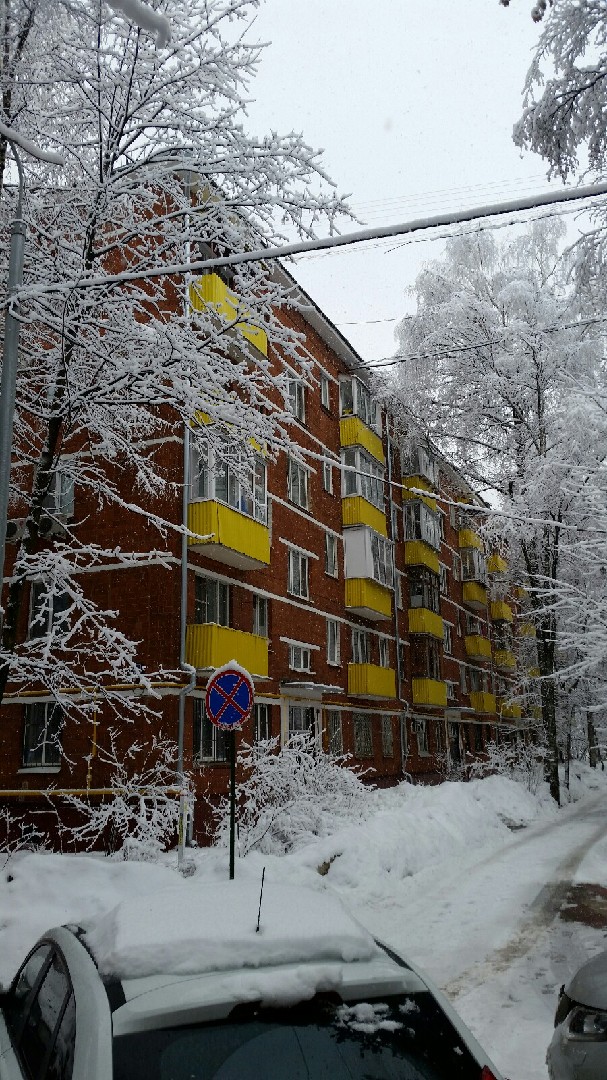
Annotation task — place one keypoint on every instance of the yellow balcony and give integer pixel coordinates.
(496, 565)
(423, 621)
(210, 291)
(477, 647)
(536, 712)
(482, 702)
(429, 692)
(501, 611)
(228, 536)
(368, 598)
(353, 432)
(418, 553)
(469, 539)
(533, 672)
(510, 712)
(474, 595)
(505, 659)
(372, 681)
(357, 511)
(526, 629)
(418, 482)
(210, 646)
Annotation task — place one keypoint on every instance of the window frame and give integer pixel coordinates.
(298, 483)
(298, 574)
(331, 555)
(383, 647)
(333, 642)
(362, 725)
(261, 616)
(211, 597)
(424, 589)
(296, 395)
(41, 622)
(421, 523)
(387, 737)
(361, 646)
(363, 476)
(335, 733)
(209, 736)
(325, 392)
(327, 477)
(300, 657)
(53, 714)
(214, 478)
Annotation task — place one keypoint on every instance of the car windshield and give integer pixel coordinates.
(408, 1038)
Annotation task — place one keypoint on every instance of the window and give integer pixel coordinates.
(447, 642)
(327, 477)
(298, 574)
(325, 392)
(384, 652)
(473, 625)
(47, 609)
(355, 400)
(394, 518)
(474, 566)
(363, 735)
(334, 733)
(381, 551)
(421, 523)
(399, 591)
(301, 720)
(444, 580)
(297, 399)
(425, 657)
(41, 743)
(297, 483)
(333, 643)
(261, 722)
(361, 650)
(479, 680)
(362, 475)
(40, 1047)
(226, 473)
(457, 568)
(299, 658)
(462, 679)
(387, 738)
(59, 498)
(209, 740)
(331, 555)
(211, 601)
(424, 589)
(416, 461)
(451, 691)
(260, 616)
(421, 730)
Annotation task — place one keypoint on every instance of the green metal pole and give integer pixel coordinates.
(231, 739)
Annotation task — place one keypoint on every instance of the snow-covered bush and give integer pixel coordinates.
(522, 762)
(287, 799)
(140, 817)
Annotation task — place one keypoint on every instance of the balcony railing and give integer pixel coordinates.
(228, 536)
(482, 702)
(468, 538)
(354, 432)
(526, 629)
(210, 646)
(496, 564)
(505, 659)
(368, 598)
(474, 594)
(477, 647)
(429, 692)
(358, 511)
(418, 553)
(424, 621)
(510, 712)
(501, 611)
(372, 681)
(210, 291)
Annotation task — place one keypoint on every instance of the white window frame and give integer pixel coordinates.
(355, 400)
(382, 554)
(260, 615)
(296, 392)
(215, 601)
(331, 556)
(209, 740)
(325, 392)
(333, 642)
(384, 652)
(262, 716)
(361, 646)
(362, 724)
(451, 690)
(298, 483)
(421, 523)
(421, 734)
(362, 475)
(300, 658)
(335, 735)
(298, 583)
(59, 499)
(387, 737)
(327, 477)
(447, 639)
(237, 480)
(444, 579)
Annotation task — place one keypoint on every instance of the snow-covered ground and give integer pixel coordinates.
(465, 879)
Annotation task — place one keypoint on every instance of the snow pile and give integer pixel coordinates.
(213, 928)
(417, 827)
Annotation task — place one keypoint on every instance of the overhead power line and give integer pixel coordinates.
(361, 236)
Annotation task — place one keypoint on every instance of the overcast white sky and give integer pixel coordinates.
(413, 103)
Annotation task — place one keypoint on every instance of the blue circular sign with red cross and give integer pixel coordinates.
(229, 697)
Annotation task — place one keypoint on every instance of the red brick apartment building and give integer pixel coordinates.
(360, 605)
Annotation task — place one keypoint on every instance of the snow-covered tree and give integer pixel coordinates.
(500, 386)
(158, 171)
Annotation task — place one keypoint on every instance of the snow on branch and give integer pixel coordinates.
(140, 14)
(29, 147)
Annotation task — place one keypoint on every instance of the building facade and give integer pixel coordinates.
(348, 577)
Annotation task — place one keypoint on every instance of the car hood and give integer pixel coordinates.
(589, 985)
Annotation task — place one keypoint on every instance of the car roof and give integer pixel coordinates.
(589, 985)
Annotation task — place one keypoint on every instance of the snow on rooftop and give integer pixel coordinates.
(186, 931)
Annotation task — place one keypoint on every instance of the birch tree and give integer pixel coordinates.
(158, 170)
(500, 359)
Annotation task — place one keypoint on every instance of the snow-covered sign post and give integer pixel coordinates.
(229, 702)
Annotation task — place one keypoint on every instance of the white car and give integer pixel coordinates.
(194, 984)
(578, 1050)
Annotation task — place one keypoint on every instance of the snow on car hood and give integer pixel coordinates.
(589, 985)
(187, 931)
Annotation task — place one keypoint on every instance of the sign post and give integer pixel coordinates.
(228, 703)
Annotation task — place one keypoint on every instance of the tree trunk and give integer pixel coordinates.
(593, 750)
